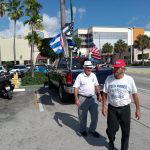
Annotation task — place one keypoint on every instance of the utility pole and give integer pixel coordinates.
(131, 47)
(63, 22)
(0, 57)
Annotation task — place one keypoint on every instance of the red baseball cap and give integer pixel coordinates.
(119, 63)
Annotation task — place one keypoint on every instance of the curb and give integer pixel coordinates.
(19, 90)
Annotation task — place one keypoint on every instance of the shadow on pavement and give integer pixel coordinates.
(50, 95)
(45, 98)
(72, 122)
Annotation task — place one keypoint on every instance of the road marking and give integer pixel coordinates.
(40, 104)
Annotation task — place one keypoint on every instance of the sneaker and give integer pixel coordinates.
(95, 134)
(84, 133)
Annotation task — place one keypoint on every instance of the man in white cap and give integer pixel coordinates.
(86, 88)
(117, 89)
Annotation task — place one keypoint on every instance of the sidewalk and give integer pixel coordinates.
(138, 70)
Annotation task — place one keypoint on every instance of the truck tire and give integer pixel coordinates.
(9, 95)
(62, 94)
(50, 85)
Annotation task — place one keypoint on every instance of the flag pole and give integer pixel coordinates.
(63, 22)
(71, 18)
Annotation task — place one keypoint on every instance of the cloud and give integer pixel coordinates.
(81, 11)
(68, 14)
(51, 24)
(20, 29)
(133, 20)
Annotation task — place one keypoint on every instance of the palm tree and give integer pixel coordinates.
(142, 42)
(34, 20)
(120, 47)
(2, 12)
(107, 48)
(15, 12)
(37, 39)
(2, 8)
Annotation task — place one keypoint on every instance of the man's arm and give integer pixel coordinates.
(104, 106)
(77, 101)
(137, 104)
(97, 89)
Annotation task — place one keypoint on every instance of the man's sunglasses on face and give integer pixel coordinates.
(88, 67)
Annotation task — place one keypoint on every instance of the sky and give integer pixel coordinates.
(87, 13)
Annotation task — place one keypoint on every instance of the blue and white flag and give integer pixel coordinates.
(68, 30)
(56, 43)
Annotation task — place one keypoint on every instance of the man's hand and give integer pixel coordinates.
(138, 114)
(104, 110)
(77, 102)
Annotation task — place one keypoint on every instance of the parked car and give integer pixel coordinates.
(2, 69)
(28, 66)
(20, 69)
(62, 76)
(41, 68)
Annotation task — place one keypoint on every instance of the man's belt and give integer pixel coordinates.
(119, 107)
(85, 96)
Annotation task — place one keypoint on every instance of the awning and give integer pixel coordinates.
(40, 57)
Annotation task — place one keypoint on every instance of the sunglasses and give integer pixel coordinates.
(88, 68)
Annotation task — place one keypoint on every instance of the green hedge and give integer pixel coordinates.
(39, 78)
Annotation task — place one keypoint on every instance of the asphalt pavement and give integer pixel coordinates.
(36, 120)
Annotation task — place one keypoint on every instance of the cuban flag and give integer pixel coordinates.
(57, 44)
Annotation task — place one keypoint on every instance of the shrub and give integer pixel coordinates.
(39, 78)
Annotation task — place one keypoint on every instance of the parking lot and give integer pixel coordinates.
(38, 121)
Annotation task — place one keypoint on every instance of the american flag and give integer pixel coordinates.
(95, 52)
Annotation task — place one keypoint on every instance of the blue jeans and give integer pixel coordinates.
(91, 105)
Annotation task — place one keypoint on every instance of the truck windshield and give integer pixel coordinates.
(76, 64)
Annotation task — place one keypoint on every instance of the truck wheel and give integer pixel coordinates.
(9, 95)
(62, 94)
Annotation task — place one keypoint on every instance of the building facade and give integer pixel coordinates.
(23, 49)
(101, 35)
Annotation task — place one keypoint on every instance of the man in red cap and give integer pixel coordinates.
(117, 89)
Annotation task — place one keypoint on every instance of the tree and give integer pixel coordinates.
(35, 22)
(78, 41)
(107, 48)
(37, 39)
(120, 47)
(2, 12)
(15, 12)
(47, 51)
(2, 8)
(142, 42)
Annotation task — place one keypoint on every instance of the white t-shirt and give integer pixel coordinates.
(86, 84)
(119, 90)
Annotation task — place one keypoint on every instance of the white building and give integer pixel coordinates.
(23, 49)
(101, 35)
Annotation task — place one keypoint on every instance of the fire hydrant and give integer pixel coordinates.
(15, 80)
